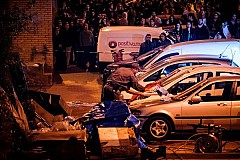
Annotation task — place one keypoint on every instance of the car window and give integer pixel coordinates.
(221, 92)
(227, 74)
(189, 82)
(172, 67)
(238, 91)
(153, 77)
(167, 55)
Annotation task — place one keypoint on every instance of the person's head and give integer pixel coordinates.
(124, 15)
(60, 23)
(72, 23)
(154, 14)
(200, 21)
(85, 26)
(87, 7)
(152, 23)
(178, 26)
(66, 26)
(162, 36)
(135, 67)
(57, 30)
(148, 38)
(188, 24)
(216, 16)
(234, 17)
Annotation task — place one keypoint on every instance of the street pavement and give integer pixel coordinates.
(82, 90)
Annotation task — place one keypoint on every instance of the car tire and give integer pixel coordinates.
(158, 128)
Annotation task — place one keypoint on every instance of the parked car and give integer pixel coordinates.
(142, 59)
(227, 48)
(166, 66)
(213, 101)
(183, 78)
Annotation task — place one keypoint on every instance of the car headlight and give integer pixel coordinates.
(136, 112)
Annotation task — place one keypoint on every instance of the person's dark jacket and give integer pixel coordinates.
(202, 32)
(120, 80)
(66, 38)
(164, 43)
(125, 77)
(234, 29)
(145, 47)
(185, 35)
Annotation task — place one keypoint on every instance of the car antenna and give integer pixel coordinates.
(220, 56)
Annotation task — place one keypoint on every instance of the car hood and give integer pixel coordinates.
(152, 103)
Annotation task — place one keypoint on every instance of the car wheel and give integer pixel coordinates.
(158, 128)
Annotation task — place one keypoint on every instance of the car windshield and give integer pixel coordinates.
(174, 75)
(149, 53)
(153, 58)
(189, 91)
(145, 61)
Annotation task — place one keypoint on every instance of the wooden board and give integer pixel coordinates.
(117, 141)
(61, 135)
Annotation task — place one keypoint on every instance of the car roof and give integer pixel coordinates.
(212, 79)
(222, 67)
(193, 57)
(192, 70)
(204, 41)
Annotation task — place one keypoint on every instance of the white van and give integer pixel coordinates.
(227, 48)
(128, 38)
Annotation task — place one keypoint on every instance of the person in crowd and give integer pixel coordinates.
(143, 22)
(123, 21)
(152, 23)
(203, 15)
(131, 16)
(225, 31)
(57, 48)
(123, 79)
(67, 42)
(163, 41)
(147, 45)
(201, 31)
(177, 33)
(191, 18)
(215, 25)
(234, 26)
(188, 32)
(171, 20)
(86, 43)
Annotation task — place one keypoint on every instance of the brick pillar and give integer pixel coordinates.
(35, 43)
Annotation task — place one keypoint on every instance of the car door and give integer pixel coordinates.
(213, 109)
(235, 112)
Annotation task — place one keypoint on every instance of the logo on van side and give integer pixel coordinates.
(129, 44)
(112, 44)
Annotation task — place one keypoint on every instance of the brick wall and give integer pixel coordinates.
(35, 44)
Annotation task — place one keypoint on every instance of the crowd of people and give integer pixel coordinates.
(76, 27)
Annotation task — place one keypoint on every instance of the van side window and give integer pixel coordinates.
(167, 55)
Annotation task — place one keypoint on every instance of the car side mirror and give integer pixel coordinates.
(195, 100)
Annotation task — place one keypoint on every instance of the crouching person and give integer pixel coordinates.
(122, 80)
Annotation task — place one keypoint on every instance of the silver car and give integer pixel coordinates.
(185, 77)
(214, 101)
